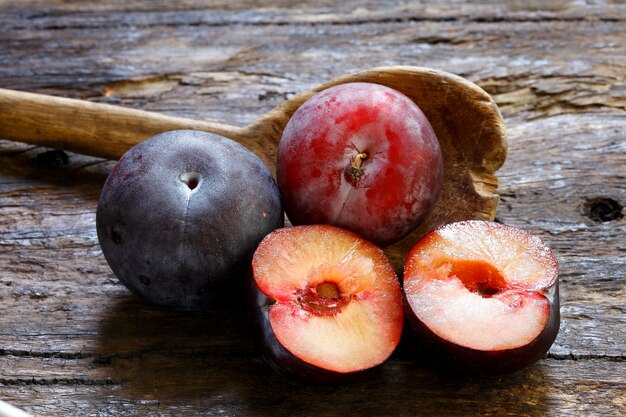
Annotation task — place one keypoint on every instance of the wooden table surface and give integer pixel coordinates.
(75, 342)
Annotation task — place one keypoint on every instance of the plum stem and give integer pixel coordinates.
(359, 160)
(356, 171)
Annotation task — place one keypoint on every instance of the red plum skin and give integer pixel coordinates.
(382, 195)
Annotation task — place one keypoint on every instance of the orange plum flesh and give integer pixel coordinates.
(483, 294)
(328, 298)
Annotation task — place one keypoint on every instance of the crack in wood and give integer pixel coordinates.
(57, 381)
(585, 356)
(51, 354)
(330, 22)
(99, 359)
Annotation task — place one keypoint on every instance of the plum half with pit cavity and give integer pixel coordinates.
(482, 296)
(327, 303)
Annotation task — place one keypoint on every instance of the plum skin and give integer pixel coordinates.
(382, 195)
(181, 214)
(278, 357)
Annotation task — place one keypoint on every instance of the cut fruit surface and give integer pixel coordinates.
(504, 321)
(481, 285)
(523, 260)
(335, 301)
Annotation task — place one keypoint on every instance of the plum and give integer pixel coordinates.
(360, 156)
(181, 214)
(327, 303)
(482, 297)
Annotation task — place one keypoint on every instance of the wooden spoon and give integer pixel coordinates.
(465, 118)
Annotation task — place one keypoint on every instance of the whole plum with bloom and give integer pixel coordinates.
(181, 214)
(361, 156)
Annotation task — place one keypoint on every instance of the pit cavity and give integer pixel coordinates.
(478, 276)
(191, 179)
(324, 299)
(327, 290)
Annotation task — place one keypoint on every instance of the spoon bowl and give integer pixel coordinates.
(465, 118)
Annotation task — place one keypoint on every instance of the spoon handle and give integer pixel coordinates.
(90, 128)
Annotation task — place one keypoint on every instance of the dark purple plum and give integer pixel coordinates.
(181, 214)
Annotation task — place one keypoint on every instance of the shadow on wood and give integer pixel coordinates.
(209, 359)
(71, 176)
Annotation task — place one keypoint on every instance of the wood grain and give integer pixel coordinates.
(73, 341)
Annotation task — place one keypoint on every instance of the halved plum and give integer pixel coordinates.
(328, 302)
(483, 296)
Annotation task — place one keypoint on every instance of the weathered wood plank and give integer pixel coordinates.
(73, 341)
(321, 12)
(151, 384)
(191, 70)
